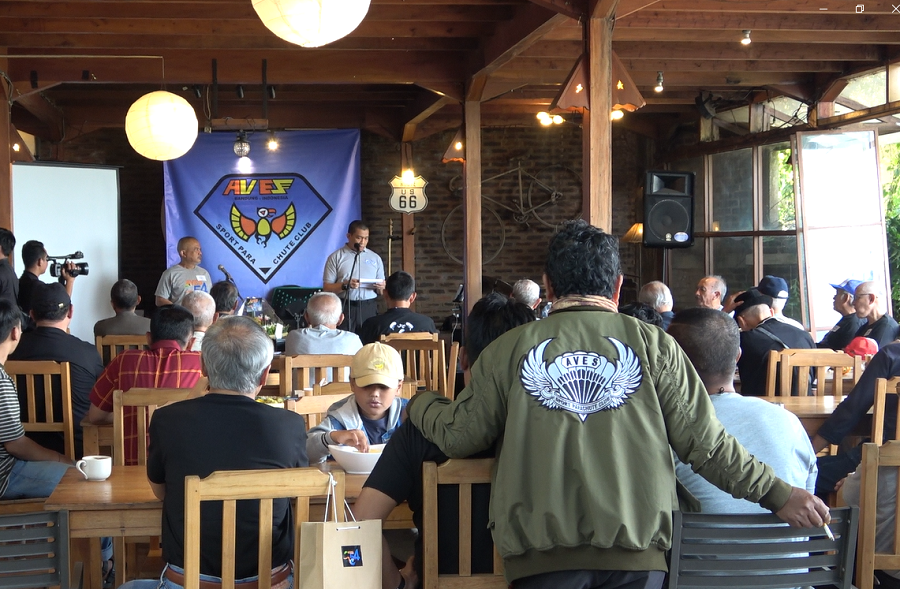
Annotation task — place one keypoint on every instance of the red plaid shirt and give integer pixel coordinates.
(164, 365)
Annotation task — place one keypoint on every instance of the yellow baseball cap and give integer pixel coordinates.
(377, 364)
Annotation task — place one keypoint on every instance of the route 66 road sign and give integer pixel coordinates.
(408, 198)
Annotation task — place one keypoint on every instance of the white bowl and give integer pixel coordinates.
(355, 462)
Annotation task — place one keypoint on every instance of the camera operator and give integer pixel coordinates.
(36, 261)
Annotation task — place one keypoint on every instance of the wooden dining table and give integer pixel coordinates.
(813, 411)
(124, 506)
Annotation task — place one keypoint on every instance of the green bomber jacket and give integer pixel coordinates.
(586, 406)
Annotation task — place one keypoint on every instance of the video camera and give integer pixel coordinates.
(58, 265)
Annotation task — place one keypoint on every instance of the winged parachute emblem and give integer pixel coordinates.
(581, 382)
(281, 225)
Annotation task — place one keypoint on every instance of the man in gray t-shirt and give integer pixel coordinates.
(711, 340)
(185, 276)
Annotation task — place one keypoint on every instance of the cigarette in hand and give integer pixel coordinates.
(828, 532)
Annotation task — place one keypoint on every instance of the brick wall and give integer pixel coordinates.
(141, 186)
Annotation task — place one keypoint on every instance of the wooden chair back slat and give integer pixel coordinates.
(882, 388)
(465, 473)
(110, 346)
(452, 362)
(424, 360)
(306, 370)
(867, 559)
(313, 407)
(145, 401)
(44, 372)
(298, 484)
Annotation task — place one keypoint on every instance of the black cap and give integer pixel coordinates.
(47, 299)
(751, 298)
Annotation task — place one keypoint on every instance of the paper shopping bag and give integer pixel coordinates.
(340, 555)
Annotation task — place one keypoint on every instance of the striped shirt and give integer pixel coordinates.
(164, 365)
(10, 426)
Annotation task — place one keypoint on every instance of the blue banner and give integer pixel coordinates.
(271, 218)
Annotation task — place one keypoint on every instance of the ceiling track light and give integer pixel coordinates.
(659, 82)
(272, 92)
(746, 40)
(239, 90)
(241, 145)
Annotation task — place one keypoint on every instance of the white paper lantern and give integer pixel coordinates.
(311, 23)
(161, 126)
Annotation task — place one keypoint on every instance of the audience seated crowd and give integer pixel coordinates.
(514, 400)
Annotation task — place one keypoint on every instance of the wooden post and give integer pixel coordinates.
(5, 157)
(597, 136)
(472, 256)
(407, 222)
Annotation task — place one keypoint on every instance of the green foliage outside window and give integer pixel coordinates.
(890, 184)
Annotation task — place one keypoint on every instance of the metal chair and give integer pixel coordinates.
(714, 550)
(298, 484)
(34, 551)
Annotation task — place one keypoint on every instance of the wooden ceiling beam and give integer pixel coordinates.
(424, 108)
(764, 6)
(734, 21)
(374, 67)
(48, 115)
(36, 43)
(699, 65)
(510, 39)
(760, 37)
(756, 51)
(227, 27)
(139, 12)
(647, 79)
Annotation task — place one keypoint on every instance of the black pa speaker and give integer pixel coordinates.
(669, 209)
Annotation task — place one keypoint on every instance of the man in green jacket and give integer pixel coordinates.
(584, 406)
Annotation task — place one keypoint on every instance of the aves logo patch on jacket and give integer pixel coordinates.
(581, 382)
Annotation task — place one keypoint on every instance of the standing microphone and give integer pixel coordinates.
(356, 247)
(227, 275)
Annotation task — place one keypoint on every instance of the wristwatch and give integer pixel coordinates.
(345, 286)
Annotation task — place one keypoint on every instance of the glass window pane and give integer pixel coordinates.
(687, 269)
(778, 187)
(838, 167)
(780, 259)
(695, 165)
(732, 191)
(732, 259)
(865, 91)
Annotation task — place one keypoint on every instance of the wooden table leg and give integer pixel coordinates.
(119, 559)
(80, 551)
(93, 565)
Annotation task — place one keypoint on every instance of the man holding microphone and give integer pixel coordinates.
(356, 274)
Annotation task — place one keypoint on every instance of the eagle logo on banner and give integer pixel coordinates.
(282, 225)
(264, 219)
(581, 382)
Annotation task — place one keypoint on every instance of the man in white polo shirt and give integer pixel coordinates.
(356, 274)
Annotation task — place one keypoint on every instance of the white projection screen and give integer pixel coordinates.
(71, 208)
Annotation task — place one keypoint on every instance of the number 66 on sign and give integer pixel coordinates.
(408, 197)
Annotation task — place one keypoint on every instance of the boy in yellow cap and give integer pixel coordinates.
(372, 413)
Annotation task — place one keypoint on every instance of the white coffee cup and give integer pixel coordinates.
(95, 468)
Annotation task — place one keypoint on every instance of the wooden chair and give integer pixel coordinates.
(774, 365)
(715, 550)
(867, 559)
(424, 362)
(34, 551)
(819, 361)
(299, 484)
(883, 386)
(111, 346)
(452, 363)
(143, 401)
(313, 407)
(306, 370)
(45, 406)
(464, 473)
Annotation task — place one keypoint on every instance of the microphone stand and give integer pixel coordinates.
(349, 306)
(228, 278)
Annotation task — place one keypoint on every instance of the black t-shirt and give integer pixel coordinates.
(26, 286)
(841, 334)
(50, 343)
(398, 474)
(223, 432)
(883, 331)
(396, 320)
(755, 347)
